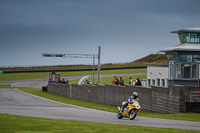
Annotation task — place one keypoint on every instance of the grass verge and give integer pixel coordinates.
(38, 75)
(6, 86)
(13, 123)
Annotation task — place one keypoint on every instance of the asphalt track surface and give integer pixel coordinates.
(16, 102)
(38, 83)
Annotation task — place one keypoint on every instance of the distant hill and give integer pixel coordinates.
(152, 59)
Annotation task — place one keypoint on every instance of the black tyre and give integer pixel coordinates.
(119, 115)
(133, 114)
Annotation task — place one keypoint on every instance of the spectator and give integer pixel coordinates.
(64, 81)
(130, 81)
(51, 78)
(121, 82)
(59, 81)
(87, 81)
(115, 81)
(67, 81)
(138, 82)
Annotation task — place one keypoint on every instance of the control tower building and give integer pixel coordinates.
(184, 61)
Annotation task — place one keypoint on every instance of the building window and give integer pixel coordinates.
(186, 70)
(183, 71)
(171, 71)
(194, 71)
(173, 57)
(163, 82)
(185, 58)
(178, 71)
(158, 82)
(149, 82)
(196, 58)
(182, 37)
(153, 82)
(191, 38)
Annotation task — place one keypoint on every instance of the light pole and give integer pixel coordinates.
(99, 57)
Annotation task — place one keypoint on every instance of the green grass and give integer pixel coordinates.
(38, 75)
(13, 123)
(67, 100)
(106, 80)
(5, 86)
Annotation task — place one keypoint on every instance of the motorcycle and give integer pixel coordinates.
(130, 111)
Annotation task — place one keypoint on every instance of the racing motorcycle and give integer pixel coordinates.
(130, 111)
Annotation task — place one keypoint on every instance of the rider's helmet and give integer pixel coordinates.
(135, 94)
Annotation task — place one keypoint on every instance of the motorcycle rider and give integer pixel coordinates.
(134, 97)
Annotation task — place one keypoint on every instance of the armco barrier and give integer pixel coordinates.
(155, 99)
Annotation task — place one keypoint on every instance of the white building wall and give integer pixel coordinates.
(157, 75)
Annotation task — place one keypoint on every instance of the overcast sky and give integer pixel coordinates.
(126, 30)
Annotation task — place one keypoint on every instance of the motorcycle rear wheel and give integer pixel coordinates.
(133, 114)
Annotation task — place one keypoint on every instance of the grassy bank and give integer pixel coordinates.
(38, 75)
(31, 124)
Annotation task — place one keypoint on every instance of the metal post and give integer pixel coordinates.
(93, 67)
(198, 72)
(70, 91)
(99, 57)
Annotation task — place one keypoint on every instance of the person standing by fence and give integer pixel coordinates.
(115, 81)
(138, 82)
(121, 82)
(130, 81)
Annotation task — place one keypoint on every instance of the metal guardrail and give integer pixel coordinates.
(194, 96)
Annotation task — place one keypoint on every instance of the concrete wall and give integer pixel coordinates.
(59, 89)
(155, 99)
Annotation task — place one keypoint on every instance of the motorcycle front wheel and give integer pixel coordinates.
(133, 114)
(119, 115)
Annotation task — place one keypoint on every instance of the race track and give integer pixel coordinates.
(16, 102)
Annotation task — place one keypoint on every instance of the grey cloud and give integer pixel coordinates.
(82, 25)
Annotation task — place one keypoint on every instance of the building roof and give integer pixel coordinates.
(193, 30)
(183, 47)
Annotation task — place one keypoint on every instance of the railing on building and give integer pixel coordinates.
(194, 96)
